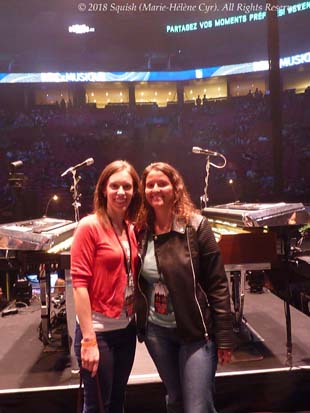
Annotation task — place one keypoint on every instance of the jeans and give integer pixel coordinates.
(117, 351)
(186, 369)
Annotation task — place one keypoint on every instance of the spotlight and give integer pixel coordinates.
(16, 164)
(16, 179)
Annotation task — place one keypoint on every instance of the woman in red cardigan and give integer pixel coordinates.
(103, 267)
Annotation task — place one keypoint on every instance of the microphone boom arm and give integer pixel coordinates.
(74, 187)
(208, 154)
(75, 195)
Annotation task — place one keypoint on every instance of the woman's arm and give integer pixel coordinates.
(89, 347)
(213, 280)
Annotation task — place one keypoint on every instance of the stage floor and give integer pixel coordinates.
(259, 362)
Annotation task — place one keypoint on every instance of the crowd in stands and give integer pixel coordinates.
(49, 139)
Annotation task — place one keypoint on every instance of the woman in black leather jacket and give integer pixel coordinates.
(183, 304)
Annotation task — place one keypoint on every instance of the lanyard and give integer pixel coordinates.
(129, 290)
(127, 260)
(154, 237)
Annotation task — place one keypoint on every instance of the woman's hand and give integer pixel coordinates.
(224, 355)
(89, 346)
(90, 357)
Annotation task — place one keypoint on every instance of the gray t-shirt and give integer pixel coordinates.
(156, 283)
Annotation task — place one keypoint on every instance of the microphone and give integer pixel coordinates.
(87, 162)
(16, 164)
(200, 151)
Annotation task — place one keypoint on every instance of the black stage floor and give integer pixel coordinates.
(34, 378)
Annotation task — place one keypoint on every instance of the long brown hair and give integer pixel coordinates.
(183, 206)
(100, 201)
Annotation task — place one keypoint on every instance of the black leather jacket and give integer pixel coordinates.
(190, 262)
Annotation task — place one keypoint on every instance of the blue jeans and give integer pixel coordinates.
(186, 369)
(117, 352)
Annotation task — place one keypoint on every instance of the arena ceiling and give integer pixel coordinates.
(34, 35)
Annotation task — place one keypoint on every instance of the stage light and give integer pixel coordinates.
(80, 29)
(16, 164)
(52, 198)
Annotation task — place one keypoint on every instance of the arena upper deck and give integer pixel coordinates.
(136, 35)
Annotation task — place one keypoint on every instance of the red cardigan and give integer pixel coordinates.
(97, 262)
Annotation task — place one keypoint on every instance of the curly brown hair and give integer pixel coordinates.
(100, 201)
(183, 206)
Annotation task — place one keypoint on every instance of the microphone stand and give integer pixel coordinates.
(75, 195)
(74, 188)
(204, 198)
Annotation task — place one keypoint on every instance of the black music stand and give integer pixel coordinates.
(285, 234)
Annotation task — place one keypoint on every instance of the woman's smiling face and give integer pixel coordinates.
(159, 191)
(119, 192)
